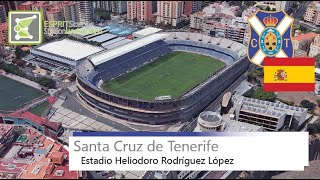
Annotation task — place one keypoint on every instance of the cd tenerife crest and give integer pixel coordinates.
(270, 36)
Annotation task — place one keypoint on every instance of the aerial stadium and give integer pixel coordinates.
(162, 77)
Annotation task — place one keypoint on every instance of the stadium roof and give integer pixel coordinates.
(86, 30)
(116, 52)
(103, 37)
(112, 41)
(146, 32)
(119, 43)
(70, 49)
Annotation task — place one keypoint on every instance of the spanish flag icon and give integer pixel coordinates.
(289, 74)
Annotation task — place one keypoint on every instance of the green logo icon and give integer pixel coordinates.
(25, 28)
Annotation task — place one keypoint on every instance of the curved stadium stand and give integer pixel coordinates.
(110, 64)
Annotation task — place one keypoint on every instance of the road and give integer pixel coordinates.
(302, 9)
(299, 13)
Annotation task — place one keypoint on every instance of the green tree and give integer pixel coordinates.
(248, 93)
(317, 59)
(254, 74)
(135, 20)
(21, 63)
(295, 27)
(268, 8)
(103, 14)
(262, 95)
(313, 128)
(305, 46)
(19, 52)
(259, 93)
(30, 65)
(73, 77)
(46, 82)
(307, 104)
(10, 68)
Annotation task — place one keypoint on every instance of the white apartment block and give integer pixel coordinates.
(312, 13)
(315, 47)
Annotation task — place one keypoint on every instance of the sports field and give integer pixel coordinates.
(14, 95)
(172, 74)
(38, 110)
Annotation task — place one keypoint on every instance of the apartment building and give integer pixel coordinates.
(312, 13)
(141, 10)
(315, 46)
(3, 14)
(170, 12)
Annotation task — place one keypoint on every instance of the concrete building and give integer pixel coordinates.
(25, 6)
(219, 20)
(191, 7)
(198, 19)
(53, 2)
(236, 30)
(170, 12)
(312, 13)
(272, 116)
(226, 27)
(187, 9)
(86, 11)
(3, 33)
(54, 14)
(141, 10)
(315, 46)
(102, 5)
(7, 136)
(119, 7)
(283, 5)
(299, 39)
(154, 6)
(70, 10)
(222, 8)
(246, 37)
(197, 6)
(41, 6)
(9, 5)
(3, 14)
(300, 53)
(209, 121)
(249, 12)
(32, 155)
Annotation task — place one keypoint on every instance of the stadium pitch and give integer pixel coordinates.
(173, 74)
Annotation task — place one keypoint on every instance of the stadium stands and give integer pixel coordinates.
(128, 57)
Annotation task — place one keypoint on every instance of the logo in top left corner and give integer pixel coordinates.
(25, 28)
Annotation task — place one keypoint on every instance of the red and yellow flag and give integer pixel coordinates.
(289, 74)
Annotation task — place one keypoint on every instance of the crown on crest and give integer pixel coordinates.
(270, 21)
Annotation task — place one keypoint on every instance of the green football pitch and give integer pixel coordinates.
(172, 74)
(14, 95)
